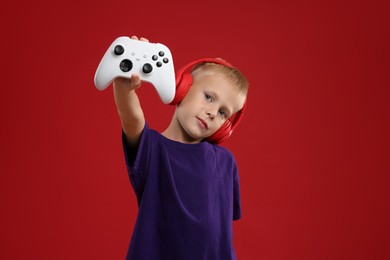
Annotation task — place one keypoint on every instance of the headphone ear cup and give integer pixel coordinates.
(183, 84)
(222, 133)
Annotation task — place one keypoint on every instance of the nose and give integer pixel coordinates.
(212, 110)
(210, 114)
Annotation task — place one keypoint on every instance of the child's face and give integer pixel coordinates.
(210, 101)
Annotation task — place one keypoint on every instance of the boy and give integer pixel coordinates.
(187, 188)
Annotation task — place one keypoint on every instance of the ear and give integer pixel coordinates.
(183, 84)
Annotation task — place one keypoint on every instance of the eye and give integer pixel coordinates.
(222, 113)
(208, 97)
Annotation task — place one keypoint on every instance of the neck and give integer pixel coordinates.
(176, 133)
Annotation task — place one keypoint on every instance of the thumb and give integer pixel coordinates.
(136, 81)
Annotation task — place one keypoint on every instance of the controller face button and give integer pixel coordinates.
(126, 65)
(165, 60)
(159, 64)
(147, 68)
(161, 53)
(154, 57)
(119, 50)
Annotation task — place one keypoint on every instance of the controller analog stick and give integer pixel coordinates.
(147, 68)
(126, 65)
(119, 50)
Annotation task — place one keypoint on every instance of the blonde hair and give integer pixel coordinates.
(232, 74)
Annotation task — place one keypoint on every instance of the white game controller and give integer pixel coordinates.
(152, 62)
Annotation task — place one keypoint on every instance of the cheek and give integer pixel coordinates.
(219, 123)
(184, 111)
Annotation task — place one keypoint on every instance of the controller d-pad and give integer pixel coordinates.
(126, 65)
(147, 68)
(119, 50)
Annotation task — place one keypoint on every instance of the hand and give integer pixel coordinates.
(134, 82)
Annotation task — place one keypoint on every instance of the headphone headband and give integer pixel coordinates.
(191, 65)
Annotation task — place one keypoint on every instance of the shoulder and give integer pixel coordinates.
(151, 134)
(222, 150)
(223, 153)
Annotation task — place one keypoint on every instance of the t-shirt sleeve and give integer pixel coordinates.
(236, 195)
(135, 160)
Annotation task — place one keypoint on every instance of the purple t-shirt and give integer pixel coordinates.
(188, 196)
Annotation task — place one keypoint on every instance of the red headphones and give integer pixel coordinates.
(183, 84)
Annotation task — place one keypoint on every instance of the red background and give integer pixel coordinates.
(313, 148)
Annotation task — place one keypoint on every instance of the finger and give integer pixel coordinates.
(135, 80)
(144, 39)
(134, 37)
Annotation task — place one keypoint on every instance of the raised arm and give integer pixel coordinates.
(129, 108)
(128, 105)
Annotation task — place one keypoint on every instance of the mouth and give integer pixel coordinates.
(202, 123)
